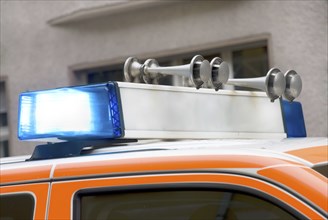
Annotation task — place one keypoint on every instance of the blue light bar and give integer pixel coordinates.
(293, 119)
(79, 112)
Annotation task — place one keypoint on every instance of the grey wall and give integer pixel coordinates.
(35, 55)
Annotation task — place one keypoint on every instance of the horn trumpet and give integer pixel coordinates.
(293, 85)
(199, 70)
(219, 73)
(274, 83)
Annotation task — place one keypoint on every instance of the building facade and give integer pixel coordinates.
(47, 44)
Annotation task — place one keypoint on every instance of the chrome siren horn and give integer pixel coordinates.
(293, 85)
(132, 69)
(150, 77)
(219, 73)
(273, 83)
(198, 71)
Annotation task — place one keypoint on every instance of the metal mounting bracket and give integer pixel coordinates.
(71, 148)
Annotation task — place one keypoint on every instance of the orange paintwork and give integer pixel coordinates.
(288, 173)
(25, 174)
(303, 180)
(63, 192)
(163, 164)
(314, 155)
(40, 191)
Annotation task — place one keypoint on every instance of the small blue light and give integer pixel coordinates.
(293, 119)
(80, 112)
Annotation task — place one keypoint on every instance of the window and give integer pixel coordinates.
(4, 148)
(248, 63)
(18, 206)
(3, 119)
(3, 105)
(4, 131)
(104, 75)
(178, 204)
(247, 60)
(252, 62)
(322, 169)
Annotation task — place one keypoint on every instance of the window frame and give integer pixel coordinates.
(225, 52)
(64, 189)
(224, 47)
(182, 186)
(40, 191)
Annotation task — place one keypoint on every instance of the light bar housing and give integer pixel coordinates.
(81, 112)
(149, 112)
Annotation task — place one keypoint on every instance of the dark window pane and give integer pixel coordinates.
(165, 79)
(3, 105)
(3, 119)
(322, 169)
(4, 148)
(179, 205)
(250, 63)
(210, 57)
(19, 206)
(104, 75)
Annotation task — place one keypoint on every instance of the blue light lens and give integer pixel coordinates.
(71, 113)
(293, 119)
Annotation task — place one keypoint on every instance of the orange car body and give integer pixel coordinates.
(277, 169)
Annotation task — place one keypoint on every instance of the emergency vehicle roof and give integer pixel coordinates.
(236, 154)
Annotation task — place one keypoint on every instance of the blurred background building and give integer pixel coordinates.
(47, 44)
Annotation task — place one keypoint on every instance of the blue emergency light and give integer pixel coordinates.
(293, 119)
(91, 111)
